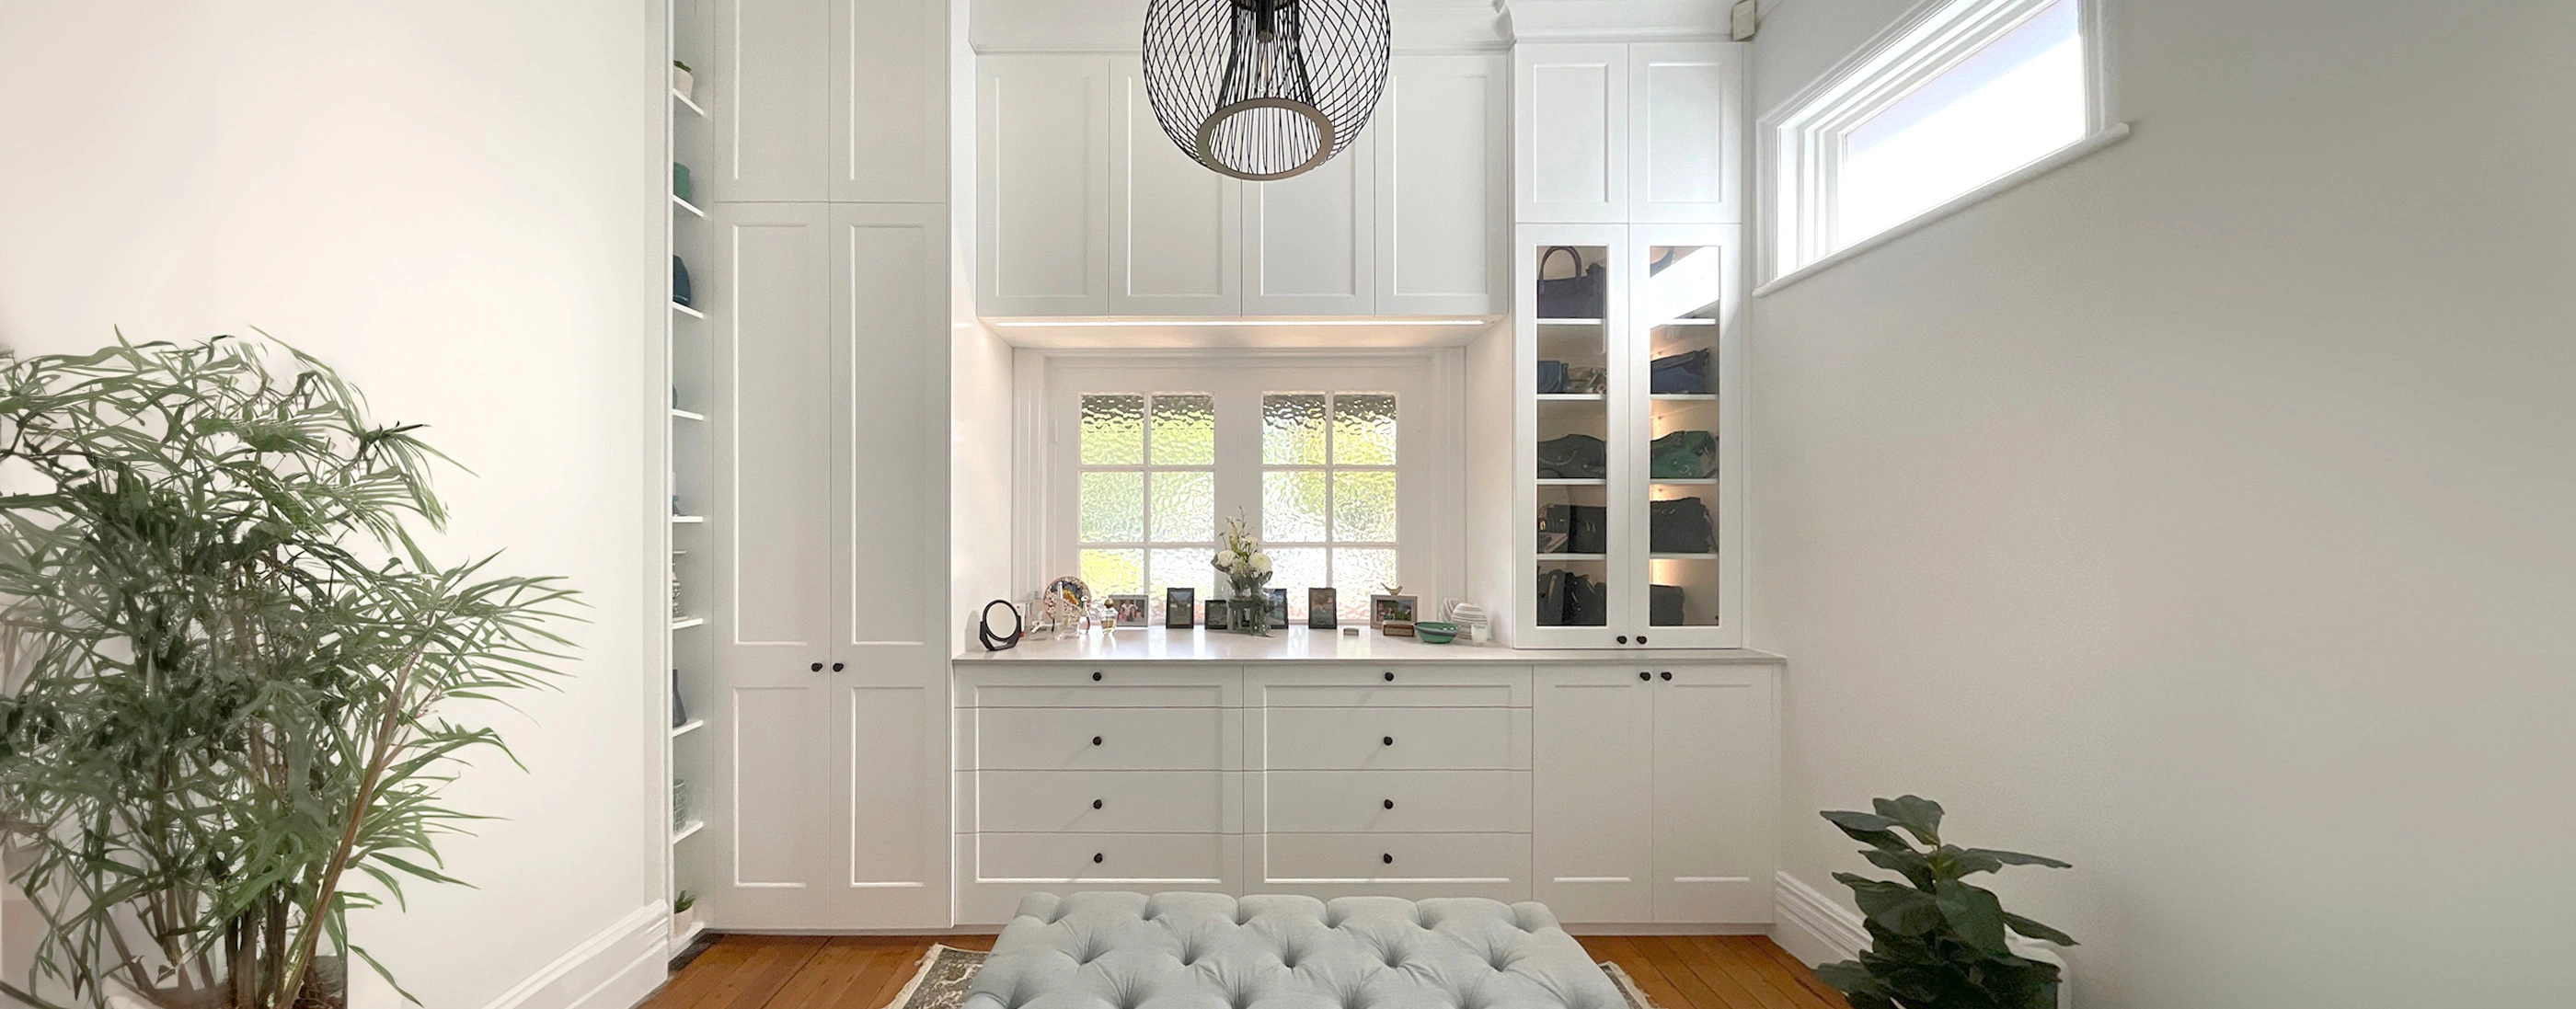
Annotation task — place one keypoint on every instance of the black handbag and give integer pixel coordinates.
(1574, 529)
(1566, 599)
(1573, 457)
(1551, 378)
(1664, 605)
(1681, 373)
(1581, 296)
(1680, 526)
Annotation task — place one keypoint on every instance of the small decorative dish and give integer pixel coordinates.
(1435, 632)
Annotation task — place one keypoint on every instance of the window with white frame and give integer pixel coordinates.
(1960, 94)
(1307, 454)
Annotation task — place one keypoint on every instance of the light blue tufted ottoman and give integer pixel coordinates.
(1212, 951)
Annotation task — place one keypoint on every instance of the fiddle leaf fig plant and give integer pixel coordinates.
(1937, 941)
(225, 671)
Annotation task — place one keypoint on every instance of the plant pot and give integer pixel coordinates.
(683, 922)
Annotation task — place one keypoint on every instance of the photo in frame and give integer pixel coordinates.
(1386, 609)
(1279, 609)
(1180, 607)
(1322, 611)
(1129, 609)
(1220, 615)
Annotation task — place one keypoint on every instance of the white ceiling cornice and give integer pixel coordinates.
(1419, 25)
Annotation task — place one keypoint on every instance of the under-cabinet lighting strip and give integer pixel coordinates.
(1193, 323)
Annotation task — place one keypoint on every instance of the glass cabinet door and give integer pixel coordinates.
(1578, 374)
(1682, 294)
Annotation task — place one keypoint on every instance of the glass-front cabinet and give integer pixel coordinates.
(1627, 346)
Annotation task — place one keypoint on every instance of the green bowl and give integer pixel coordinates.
(1435, 632)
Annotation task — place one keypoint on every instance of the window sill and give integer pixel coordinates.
(2063, 157)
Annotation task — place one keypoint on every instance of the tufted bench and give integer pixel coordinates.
(1212, 951)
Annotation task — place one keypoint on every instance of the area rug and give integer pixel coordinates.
(946, 972)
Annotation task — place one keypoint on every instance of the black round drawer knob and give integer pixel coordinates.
(1641, 639)
(1095, 740)
(1097, 857)
(1390, 804)
(1668, 676)
(1388, 859)
(1095, 676)
(1389, 741)
(1390, 676)
(1623, 639)
(837, 667)
(817, 667)
(1095, 804)
(1644, 675)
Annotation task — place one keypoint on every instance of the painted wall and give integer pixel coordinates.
(455, 204)
(2201, 512)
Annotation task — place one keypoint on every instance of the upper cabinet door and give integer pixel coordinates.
(1686, 132)
(1443, 211)
(1172, 223)
(1570, 114)
(1310, 241)
(1042, 193)
(771, 89)
(889, 101)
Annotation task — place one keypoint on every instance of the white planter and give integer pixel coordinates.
(683, 922)
(680, 80)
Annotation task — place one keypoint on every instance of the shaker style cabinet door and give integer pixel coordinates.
(1172, 223)
(1717, 795)
(1592, 768)
(1686, 131)
(889, 101)
(1443, 199)
(1042, 184)
(769, 95)
(1570, 135)
(1310, 241)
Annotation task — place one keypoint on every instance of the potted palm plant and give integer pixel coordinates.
(223, 725)
(1936, 941)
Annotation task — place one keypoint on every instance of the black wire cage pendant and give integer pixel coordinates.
(1264, 89)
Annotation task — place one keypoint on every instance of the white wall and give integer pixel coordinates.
(2202, 512)
(454, 204)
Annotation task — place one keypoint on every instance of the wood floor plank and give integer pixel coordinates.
(739, 972)
(1806, 977)
(843, 974)
(1731, 987)
(1623, 950)
(1741, 958)
(1675, 965)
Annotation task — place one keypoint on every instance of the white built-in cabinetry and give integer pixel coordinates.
(1086, 208)
(1616, 132)
(1618, 794)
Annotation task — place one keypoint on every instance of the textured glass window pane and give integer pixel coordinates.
(1292, 429)
(1113, 430)
(1364, 507)
(1358, 573)
(1113, 507)
(1184, 505)
(1297, 569)
(1184, 431)
(1364, 430)
(1111, 572)
(1292, 506)
(1186, 567)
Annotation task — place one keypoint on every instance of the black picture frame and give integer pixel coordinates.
(1220, 615)
(1279, 609)
(1323, 609)
(1180, 607)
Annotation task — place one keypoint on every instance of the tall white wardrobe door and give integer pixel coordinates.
(768, 95)
(889, 89)
(1592, 767)
(1717, 797)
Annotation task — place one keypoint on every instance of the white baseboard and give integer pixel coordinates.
(1816, 930)
(615, 969)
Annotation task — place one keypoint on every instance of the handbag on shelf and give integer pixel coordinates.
(1680, 526)
(1551, 378)
(679, 282)
(1581, 296)
(1574, 529)
(1664, 606)
(1573, 457)
(1681, 374)
(1566, 599)
(1684, 455)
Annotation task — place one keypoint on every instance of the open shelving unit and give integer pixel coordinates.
(689, 237)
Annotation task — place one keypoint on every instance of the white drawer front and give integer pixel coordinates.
(1407, 865)
(1104, 802)
(1107, 739)
(1196, 861)
(1163, 685)
(1359, 686)
(1399, 802)
(1393, 739)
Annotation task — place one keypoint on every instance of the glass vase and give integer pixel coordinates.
(1250, 611)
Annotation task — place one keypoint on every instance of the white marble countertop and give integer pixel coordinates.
(1298, 644)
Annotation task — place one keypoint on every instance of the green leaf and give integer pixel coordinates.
(1896, 907)
(1847, 977)
(2017, 858)
(1869, 829)
(1916, 868)
(1974, 915)
(1919, 816)
(2036, 930)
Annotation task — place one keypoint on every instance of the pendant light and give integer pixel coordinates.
(1264, 89)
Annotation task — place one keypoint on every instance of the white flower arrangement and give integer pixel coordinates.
(1240, 558)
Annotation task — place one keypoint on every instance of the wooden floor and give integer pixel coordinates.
(855, 972)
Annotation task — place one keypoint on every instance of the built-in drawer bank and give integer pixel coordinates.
(1390, 802)
(1111, 802)
(1406, 865)
(1100, 739)
(1390, 739)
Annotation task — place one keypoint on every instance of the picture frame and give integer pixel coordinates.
(1180, 607)
(1279, 609)
(1385, 609)
(1323, 609)
(1129, 608)
(1220, 615)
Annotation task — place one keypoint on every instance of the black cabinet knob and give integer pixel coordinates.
(1096, 857)
(1388, 859)
(1390, 804)
(817, 667)
(1095, 804)
(1095, 740)
(1095, 676)
(837, 667)
(1390, 676)
(1668, 675)
(1389, 741)
(1644, 675)
(1623, 639)
(1641, 639)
